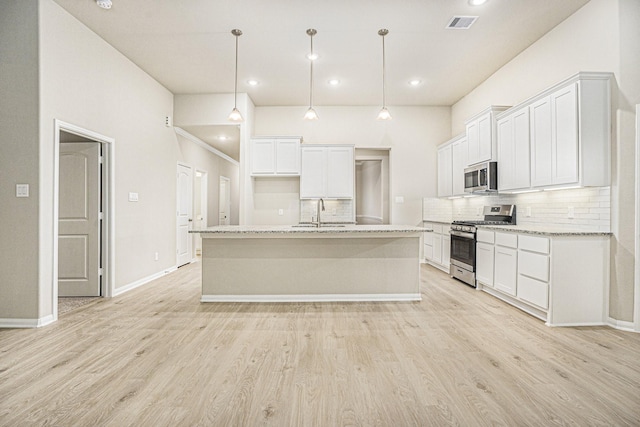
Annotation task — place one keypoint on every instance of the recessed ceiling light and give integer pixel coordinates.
(105, 4)
(253, 82)
(415, 82)
(334, 82)
(477, 2)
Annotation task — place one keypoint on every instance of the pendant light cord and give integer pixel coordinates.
(311, 77)
(384, 103)
(235, 90)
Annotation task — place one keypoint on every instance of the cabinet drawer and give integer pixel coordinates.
(533, 265)
(533, 291)
(485, 236)
(506, 239)
(534, 244)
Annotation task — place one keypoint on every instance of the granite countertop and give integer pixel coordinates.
(437, 221)
(309, 229)
(544, 230)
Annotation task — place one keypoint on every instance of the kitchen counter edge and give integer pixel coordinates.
(542, 231)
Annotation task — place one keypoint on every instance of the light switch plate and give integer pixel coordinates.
(22, 190)
(399, 199)
(280, 211)
(133, 197)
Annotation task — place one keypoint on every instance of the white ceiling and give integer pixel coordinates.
(188, 47)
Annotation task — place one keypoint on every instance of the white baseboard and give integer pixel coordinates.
(26, 323)
(622, 325)
(126, 288)
(313, 298)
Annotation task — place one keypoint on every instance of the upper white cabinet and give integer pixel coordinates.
(445, 170)
(275, 156)
(513, 150)
(481, 138)
(569, 136)
(459, 161)
(327, 171)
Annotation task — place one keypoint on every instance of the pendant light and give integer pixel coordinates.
(384, 113)
(235, 115)
(311, 113)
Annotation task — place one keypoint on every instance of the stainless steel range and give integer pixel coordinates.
(463, 240)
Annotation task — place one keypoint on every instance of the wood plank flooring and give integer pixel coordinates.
(156, 356)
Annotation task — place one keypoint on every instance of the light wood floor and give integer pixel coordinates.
(157, 357)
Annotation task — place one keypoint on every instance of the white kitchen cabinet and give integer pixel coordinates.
(506, 269)
(340, 172)
(437, 245)
(484, 263)
(485, 240)
(513, 150)
(275, 156)
(481, 138)
(459, 161)
(445, 171)
(327, 171)
(570, 133)
(554, 139)
(541, 276)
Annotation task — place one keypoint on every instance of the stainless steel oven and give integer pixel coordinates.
(463, 240)
(463, 256)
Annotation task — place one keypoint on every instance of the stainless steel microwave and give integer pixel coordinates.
(482, 177)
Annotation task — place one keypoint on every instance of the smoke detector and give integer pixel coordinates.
(105, 4)
(461, 22)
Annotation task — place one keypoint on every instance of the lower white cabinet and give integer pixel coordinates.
(437, 245)
(506, 269)
(542, 276)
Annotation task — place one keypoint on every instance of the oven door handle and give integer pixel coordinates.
(462, 234)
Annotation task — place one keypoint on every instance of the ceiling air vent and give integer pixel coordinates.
(461, 22)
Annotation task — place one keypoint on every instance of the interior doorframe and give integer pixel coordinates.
(108, 206)
(389, 198)
(636, 310)
(204, 196)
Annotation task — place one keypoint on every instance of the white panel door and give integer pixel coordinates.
(506, 153)
(184, 214)
(459, 154)
(485, 138)
(473, 142)
(506, 269)
(484, 263)
(521, 150)
(79, 220)
(224, 201)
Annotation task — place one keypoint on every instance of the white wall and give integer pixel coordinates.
(603, 35)
(19, 270)
(412, 135)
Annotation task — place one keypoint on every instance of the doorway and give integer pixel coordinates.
(224, 203)
(83, 232)
(372, 186)
(200, 201)
(184, 217)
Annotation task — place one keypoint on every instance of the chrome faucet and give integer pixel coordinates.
(320, 205)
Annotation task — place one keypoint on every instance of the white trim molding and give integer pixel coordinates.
(636, 308)
(133, 285)
(313, 298)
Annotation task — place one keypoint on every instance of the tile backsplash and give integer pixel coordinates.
(335, 210)
(591, 208)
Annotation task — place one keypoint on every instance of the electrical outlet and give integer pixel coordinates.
(570, 212)
(156, 256)
(280, 211)
(528, 211)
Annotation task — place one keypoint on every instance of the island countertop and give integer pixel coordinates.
(307, 230)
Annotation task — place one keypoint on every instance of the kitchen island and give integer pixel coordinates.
(308, 263)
